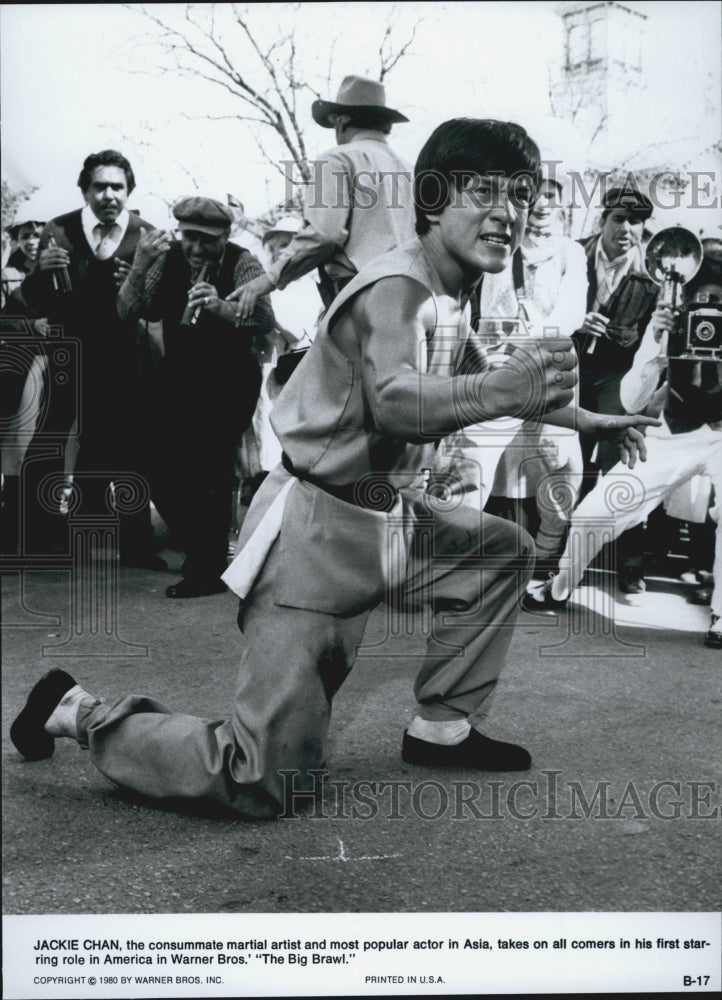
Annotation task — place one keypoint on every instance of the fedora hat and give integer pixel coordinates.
(356, 93)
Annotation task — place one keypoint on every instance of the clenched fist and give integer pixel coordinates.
(538, 377)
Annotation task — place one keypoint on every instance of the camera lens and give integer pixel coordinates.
(705, 331)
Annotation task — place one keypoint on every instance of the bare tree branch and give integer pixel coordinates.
(220, 44)
(389, 57)
(145, 144)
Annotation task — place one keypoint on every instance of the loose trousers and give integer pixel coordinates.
(469, 567)
(624, 498)
(599, 392)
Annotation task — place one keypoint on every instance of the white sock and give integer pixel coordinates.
(560, 586)
(63, 721)
(447, 732)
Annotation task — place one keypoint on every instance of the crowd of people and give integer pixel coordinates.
(458, 393)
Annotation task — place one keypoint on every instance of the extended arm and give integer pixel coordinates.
(393, 322)
(639, 385)
(326, 213)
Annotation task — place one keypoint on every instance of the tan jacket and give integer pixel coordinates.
(358, 206)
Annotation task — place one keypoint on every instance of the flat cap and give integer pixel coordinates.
(203, 214)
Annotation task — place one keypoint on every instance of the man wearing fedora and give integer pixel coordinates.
(359, 204)
(209, 379)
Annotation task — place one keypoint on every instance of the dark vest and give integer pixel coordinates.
(111, 357)
(209, 365)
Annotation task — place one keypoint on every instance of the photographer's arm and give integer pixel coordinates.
(639, 385)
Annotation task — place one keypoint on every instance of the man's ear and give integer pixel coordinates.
(340, 121)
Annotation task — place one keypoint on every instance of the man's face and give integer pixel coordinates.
(484, 222)
(621, 230)
(202, 248)
(107, 193)
(546, 206)
(29, 239)
(276, 244)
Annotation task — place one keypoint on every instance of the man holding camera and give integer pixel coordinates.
(688, 442)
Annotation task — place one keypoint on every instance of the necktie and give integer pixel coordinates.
(611, 276)
(106, 247)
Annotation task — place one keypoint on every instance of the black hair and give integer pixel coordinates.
(469, 145)
(106, 158)
(627, 199)
(370, 119)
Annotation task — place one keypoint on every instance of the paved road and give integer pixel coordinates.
(612, 703)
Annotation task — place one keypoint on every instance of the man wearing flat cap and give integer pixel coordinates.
(209, 380)
(359, 203)
(620, 302)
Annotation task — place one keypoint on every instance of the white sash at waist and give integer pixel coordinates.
(248, 563)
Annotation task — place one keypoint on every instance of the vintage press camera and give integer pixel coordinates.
(704, 330)
(672, 259)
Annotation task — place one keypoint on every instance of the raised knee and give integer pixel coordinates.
(518, 543)
(525, 546)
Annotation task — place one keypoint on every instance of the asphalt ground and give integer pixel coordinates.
(615, 698)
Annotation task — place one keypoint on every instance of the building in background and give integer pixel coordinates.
(617, 89)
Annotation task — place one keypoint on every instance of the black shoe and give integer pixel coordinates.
(539, 599)
(476, 751)
(191, 587)
(631, 580)
(28, 731)
(145, 560)
(701, 595)
(713, 639)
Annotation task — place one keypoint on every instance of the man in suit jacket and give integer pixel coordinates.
(99, 379)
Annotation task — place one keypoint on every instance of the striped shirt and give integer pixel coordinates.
(134, 301)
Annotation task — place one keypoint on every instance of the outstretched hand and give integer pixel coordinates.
(628, 431)
(247, 295)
